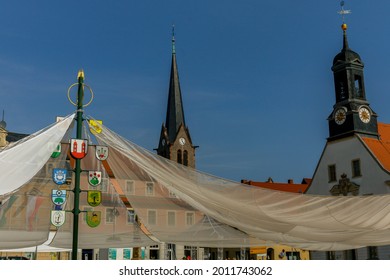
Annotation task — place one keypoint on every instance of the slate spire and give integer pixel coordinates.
(175, 112)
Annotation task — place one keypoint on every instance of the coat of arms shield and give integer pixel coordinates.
(94, 218)
(95, 126)
(94, 198)
(101, 152)
(57, 217)
(58, 197)
(94, 178)
(57, 151)
(78, 148)
(59, 176)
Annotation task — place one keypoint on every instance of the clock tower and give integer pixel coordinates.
(352, 113)
(175, 141)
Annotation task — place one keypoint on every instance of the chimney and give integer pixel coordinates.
(290, 181)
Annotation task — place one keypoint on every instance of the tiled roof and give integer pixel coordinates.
(285, 187)
(380, 148)
(13, 137)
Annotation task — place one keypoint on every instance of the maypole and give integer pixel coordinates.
(76, 190)
(78, 150)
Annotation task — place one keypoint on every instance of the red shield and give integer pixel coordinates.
(78, 148)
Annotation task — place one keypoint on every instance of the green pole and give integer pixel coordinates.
(76, 190)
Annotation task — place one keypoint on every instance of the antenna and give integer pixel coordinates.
(343, 12)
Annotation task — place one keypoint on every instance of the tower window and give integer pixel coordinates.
(179, 158)
(356, 170)
(332, 173)
(358, 86)
(185, 158)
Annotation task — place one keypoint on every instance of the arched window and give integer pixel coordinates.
(179, 158)
(185, 158)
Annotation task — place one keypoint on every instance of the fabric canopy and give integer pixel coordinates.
(26, 183)
(169, 203)
(21, 160)
(253, 215)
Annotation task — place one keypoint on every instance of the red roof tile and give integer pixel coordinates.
(380, 148)
(285, 187)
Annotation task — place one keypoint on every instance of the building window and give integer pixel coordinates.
(129, 188)
(103, 185)
(171, 251)
(190, 218)
(111, 213)
(191, 252)
(356, 171)
(130, 217)
(152, 217)
(150, 189)
(171, 218)
(179, 159)
(332, 173)
(185, 158)
(293, 255)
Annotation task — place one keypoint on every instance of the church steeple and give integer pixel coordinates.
(351, 112)
(175, 141)
(175, 112)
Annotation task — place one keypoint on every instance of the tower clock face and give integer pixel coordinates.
(340, 116)
(364, 114)
(182, 141)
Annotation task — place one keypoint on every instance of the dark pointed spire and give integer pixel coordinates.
(3, 124)
(175, 112)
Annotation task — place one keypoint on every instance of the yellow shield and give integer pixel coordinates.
(94, 218)
(94, 198)
(95, 126)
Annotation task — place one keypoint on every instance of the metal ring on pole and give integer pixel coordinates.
(75, 104)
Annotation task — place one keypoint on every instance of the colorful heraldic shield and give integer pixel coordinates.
(95, 126)
(94, 218)
(57, 151)
(58, 197)
(57, 217)
(94, 198)
(59, 176)
(101, 152)
(94, 178)
(78, 148)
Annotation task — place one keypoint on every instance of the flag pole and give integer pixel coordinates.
(77, 170)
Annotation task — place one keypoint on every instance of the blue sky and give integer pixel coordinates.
(255, 76)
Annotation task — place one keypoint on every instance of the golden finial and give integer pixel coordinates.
(80, 74)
